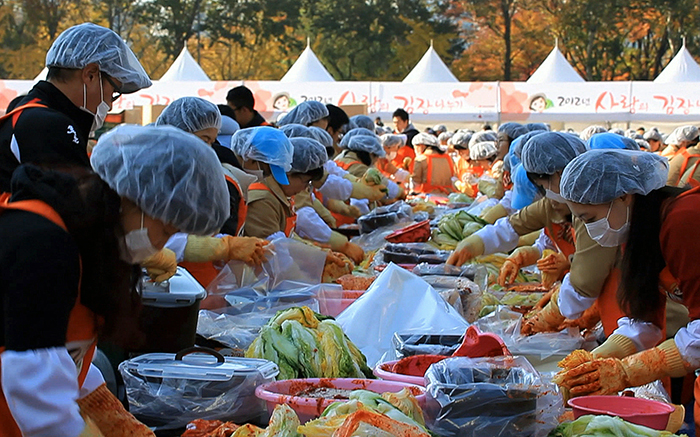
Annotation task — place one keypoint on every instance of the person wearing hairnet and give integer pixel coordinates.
(622, 198)
(391, 144)
(683, 168)
(591, 130)
(93, 229)
(463, 165)
(507, 132)
(195, 253)
(229, 126)
(608, 140)
(433, 169)
(654, 138)
(362, 152)
(89, 68)
(308, 113)
(361, 121)
(681, 138)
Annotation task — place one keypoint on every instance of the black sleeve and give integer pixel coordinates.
(231, 223)
(40, 285)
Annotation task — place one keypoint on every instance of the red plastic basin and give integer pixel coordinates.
(644, 412)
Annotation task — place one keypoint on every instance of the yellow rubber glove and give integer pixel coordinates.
(553, 267)
(363, 191)
(90, 430)
(494, 213)
(323, 212)
(204, 249)
(521, 257)
(340, 243)
(616, 346)
(105, 410)
(161, 266)
(546, 320)
(469, 248)
(350, 177)
(605, 376)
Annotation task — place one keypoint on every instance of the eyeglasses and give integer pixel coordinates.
(117, 90)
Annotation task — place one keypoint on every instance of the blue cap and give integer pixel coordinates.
(265, 144)
(608, 140)
(524, 191)
(279, 174)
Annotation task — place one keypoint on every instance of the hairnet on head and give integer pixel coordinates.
(190, 114)
(600, 176)
(265, 144)
(445, 136)
(309, 155)
(653, 134)
(533, 127)
(353, 132)
(439, 128)
(88, 43)
(229, 126)
(512, 130)
(424, 139)
(617, 131)
(295, 131)
(321, 136)
(305, 113)
(170, 174)
(524, 191)
(549, 152)
(485, 135)
(361, 121)
(516, 146)
(392, 140)
(460, 140)
(608, 140)
(686, 133)
(363, 143)
(643, 145)
(588, 132)
(482, 150)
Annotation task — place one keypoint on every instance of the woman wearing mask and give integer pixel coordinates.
(71, 247)
(433, 169)
(391, 144)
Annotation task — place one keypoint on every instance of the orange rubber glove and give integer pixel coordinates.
(469, 248)
(340, 243)
(588, 320)
(546, 320)
(521, 257)
(605, 376)
(161, 266)
(553, 267)
(105, 410)
(90, 430)
(250, 250)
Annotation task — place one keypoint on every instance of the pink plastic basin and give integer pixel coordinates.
(384, 371)
(644, 412)
(332, 303)
(282, 392)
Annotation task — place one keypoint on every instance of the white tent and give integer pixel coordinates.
(42, 75)
(682, 68)
(307, 68)
(185, 69)
(555, 68)
(430, 68)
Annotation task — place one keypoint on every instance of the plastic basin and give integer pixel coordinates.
(385, 371)
(282, 392)
(644, 412)
(334, 303)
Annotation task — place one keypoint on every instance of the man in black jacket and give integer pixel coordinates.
(242, 101)
(90, 66)
(402, 125)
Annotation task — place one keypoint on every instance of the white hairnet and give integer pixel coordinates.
(361, 121)
(425, 139)
(88, 43)
(617, 131)
(391, 140)
(445, 136)
(309, 154)
(482, 150)
(588, 132)
(600, 176)
(643, 145)
(439, 128)
(512, 130)
(364, 143)
(295, 130)
(190, 114)
(305, 113)
(321, 136)
(549, 152)
(686, 133)
(264, 144)
(486, 135)
(460, 140)
(653, 134)
(353, 132)
(170, 174)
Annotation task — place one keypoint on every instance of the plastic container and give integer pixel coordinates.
(644, 412)
(170, 390)
(415, 233)
(385, 371)
(282, 392)
(333, 302)
(169, 314)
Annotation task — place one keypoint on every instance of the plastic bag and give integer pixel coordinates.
(397, 301)
(375, 240)
(407, 344)
(500, 396)
(411, 253)
(385, 216)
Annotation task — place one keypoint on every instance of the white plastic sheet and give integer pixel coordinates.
(397, 301)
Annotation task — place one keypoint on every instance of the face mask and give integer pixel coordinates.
(137, 245)
(391, 155)
(549, 194)
(259, 175)
(601, 232)
(102, 109)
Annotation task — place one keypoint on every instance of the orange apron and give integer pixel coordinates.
(291, 221)
(686, 158)
(341, 219)
(82, 330)
(428, 187)
(346, 165)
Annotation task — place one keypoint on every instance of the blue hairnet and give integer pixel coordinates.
(391, 140)
(524, 191)
(305, 113)
(516, 146)
(364, 143)
(229, 126)
(265, 144)
(460, 140)
(309, 154)
(170, 174)
(295, 130)
(513, 130)
(607, 140)
(425, 139)
(550, 152)
(190, 114)
(361, 121)
(534, 127)
(600, 176)
(321, 136)
(88, 43)
(352, 132)
(484, 135)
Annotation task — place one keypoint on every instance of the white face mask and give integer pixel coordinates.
(391, 155)
(549, 194)
(137, 245)
(259, 174)
(102, 109)
(601, 232)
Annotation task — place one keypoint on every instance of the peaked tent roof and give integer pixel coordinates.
(185, 69)
(307, 68)
(555, 68)
(430, 68)
(42, 75)
(682, 68)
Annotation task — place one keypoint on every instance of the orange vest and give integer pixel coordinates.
(81, 334)
(291, 221)
(563, 237)
(428, 187)
(403, 153)
(686, 158)
(346, 165)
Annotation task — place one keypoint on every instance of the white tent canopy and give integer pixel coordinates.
(42, 75)
(185, 69)
(682, 68)
(555, 68)
(307, 69)
(430, 68)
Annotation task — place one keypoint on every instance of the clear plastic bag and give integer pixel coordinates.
(407, 344)
(375, 240)
(500, 396)
(385, 216)
(412, 253)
